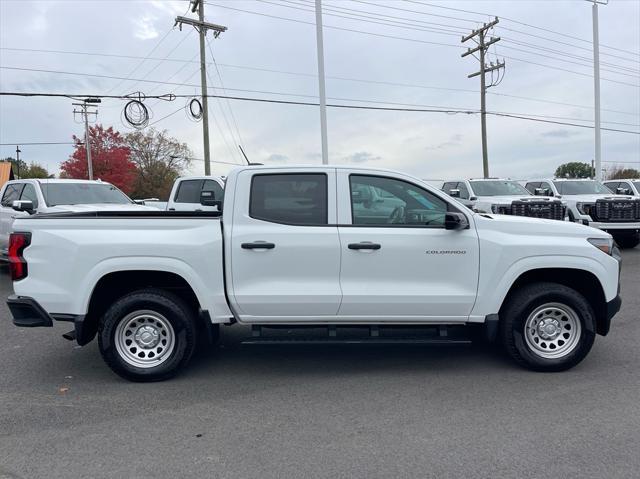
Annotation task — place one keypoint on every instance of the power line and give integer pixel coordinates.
(37, 143)
(564, 60)
(455, 33)
(334, 27)
(587, 60)
(407, 39)
(182, 40)
(367, 107)
(565, 43)
(365, 18)
(135, 69)
(233, 117)
(418, 11)
(521, 23)
(357, 12)
(312, 75)
(169, 97)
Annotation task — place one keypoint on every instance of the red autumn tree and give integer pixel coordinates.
(110, 157)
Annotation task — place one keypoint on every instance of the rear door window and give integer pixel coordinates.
(294, 199)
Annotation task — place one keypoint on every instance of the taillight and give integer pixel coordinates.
(17, 264)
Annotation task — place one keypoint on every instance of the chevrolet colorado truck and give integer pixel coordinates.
(504, 197)
(296, 248)
(591, 203)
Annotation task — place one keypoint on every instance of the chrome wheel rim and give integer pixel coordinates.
(552, 330)
(144, 339)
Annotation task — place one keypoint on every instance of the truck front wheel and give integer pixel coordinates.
(547, 327)
(147, 335)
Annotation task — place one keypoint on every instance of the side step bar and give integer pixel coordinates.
(357, 334)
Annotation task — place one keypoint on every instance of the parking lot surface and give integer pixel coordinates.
(322, 411)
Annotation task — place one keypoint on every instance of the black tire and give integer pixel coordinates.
(168, 308)
(627, 240)
(526, 351)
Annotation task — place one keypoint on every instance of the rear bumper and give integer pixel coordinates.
(27, 312)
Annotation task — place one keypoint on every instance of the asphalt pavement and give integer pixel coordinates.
(244, 411)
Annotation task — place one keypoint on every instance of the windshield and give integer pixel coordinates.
(637, 185)
(82, 193)
(581, 187)
(498, 188)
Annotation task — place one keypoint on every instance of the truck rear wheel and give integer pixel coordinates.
(147, 335)
(547, 327)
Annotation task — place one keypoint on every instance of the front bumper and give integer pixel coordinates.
(27, 312)
(631, 226)
(612, 309)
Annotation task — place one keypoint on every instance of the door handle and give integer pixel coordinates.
(258, 245)
(363, 245)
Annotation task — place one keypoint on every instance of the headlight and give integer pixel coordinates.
(603, 244)
(585, 208)
(500, 209)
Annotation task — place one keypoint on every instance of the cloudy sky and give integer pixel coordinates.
(393, 53)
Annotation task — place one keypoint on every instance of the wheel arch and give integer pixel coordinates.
(116, 284)
(582, 281)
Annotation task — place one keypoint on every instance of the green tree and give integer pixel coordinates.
(618, 172)
(22, 171)
(574, 169)
(159, 160)
(36, 171)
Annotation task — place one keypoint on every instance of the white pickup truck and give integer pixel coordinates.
(185, 194)
(591, 203)
(28, 196)
(504, 197)
(299, 247)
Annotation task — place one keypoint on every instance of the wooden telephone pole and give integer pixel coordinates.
(202, 27)
(482, 48)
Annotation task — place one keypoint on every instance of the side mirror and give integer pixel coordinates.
(139, 202)
(539, 191)
(208, 198)
(455, 221)
(622, 191)
(454, 193)
(473, 198)
(23, 205)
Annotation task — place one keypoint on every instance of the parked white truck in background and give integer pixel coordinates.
(185, 194)
(299, 247)
(629, 186)
(29, 196)
(505, 197)
(591, 203)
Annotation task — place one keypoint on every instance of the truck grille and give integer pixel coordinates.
(552, 210)
(616, 210)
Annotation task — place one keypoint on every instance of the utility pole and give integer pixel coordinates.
(18, 151)
(482, 48)
(596, 86)
(202, 27)
(323, 95)
(84, 113)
